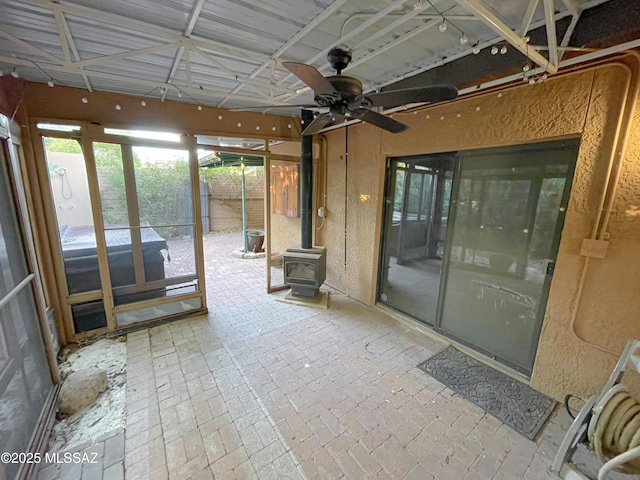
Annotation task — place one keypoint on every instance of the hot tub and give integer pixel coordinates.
(81, 260)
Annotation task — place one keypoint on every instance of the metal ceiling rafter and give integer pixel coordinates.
(69, 44)
(359, 29)
(326, 13)
(550, 24)
(502, 29)
(188, 30)
(573, 6)
(143, 27)
(395, 43)
(231, 73)
(29, 47)
(120, 78)
(187, 66)
(403, 19)
(126, 54)
(528, 17)
(422, 15)
(64, 40)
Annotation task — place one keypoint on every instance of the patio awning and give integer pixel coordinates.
(225, 159)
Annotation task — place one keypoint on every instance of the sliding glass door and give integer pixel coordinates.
(508, 215)
(25, 379)
(480, 271)
(417, 209)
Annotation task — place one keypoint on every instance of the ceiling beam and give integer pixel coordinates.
(63, 35)
(552, 42)
(126, 79)
(188, 30)
(528, 17)
(326, 13)
(187, 66)
(502, 29)
(67, 40)
(567, 36)
(395, 43)
(573, 6)
(359, 29)
(129, 53)
(143, 27)
(230, 72)
(421, 15)
(29, 47)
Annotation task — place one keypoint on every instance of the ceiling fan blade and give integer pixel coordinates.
(379, 120)
(311, 76)
(322, 121)
(393, 98)
(260, 108)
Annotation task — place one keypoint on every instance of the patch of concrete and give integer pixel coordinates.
(108, 411)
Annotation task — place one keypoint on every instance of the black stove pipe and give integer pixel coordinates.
(306, 184)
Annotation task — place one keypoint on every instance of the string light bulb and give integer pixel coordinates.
(85, 100)
(118, 107)
(200, 107)
(443, 26)
(494, 50)
(51, 83)
(526, 68)
(475, 49)
(503, 50)
(15, 74)
(417, 6)
(464, 39)
(143, 103)
(179, 94)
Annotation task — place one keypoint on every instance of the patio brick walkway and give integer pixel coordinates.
(260, 389)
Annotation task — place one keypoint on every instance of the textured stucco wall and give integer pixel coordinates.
(609, 311)
(586, 104)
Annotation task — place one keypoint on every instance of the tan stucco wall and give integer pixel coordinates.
(586, 103)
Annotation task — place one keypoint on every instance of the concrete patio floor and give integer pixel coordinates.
(266, 390)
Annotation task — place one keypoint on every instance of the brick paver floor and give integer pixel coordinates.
(260, 389)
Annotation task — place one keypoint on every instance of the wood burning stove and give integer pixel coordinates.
(305, 270)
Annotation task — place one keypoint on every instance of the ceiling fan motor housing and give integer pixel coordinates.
(339, 57)
(348, 88)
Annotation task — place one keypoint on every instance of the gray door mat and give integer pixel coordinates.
(510, 401)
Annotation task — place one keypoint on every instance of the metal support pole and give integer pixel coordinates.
(306, 185)
(244, 209)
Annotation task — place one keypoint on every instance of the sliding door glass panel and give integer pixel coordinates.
(414, 233)
(25, 381)
(13, 267)
(509, 211)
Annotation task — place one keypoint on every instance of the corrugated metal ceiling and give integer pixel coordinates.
(227, 53)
